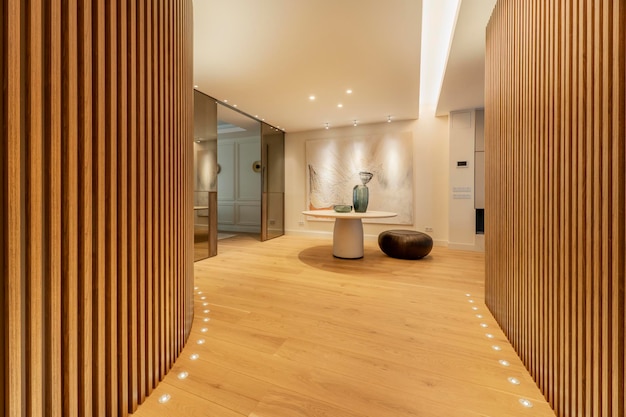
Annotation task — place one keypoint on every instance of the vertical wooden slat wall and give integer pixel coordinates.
(96, 244)
(556, 183)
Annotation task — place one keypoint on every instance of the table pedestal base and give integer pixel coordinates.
(348, 238)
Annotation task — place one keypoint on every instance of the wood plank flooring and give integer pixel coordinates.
(283, 329)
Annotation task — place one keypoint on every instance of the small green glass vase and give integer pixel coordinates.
(361, 194)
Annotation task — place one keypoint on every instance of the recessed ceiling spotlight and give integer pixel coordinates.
(340, 105)
(311, 97)
(348, 91)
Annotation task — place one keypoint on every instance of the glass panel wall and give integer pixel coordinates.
(205, 176)
(273, 167)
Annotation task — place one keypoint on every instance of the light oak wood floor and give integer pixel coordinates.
(283, 329)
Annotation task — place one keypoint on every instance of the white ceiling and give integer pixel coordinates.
(267, 57)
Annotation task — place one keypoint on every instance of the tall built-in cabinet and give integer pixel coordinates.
(555, 154)
(96, 209)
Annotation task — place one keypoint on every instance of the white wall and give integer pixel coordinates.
(430, 177)
(465, 126)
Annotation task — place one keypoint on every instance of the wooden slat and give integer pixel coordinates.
(555, 264)
(85, 211)
(99, 220)
(34, 212)
(122, 247)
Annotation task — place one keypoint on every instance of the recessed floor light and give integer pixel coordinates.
(164, 398)
(194, 356)
(207, 311)
(201, 341)
(504, 362)
(206, 319)
(489, 336)
(183, 375)
(204, 330)
(514, 380)
(526, 403)
(480, 316)
(496, 347)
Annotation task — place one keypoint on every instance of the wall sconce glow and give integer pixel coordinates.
(164, 398)
(438, 20)
(183, 375)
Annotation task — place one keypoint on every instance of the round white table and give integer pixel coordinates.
(348, 231)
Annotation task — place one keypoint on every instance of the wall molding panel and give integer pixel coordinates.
(555, 195)
(96, 209)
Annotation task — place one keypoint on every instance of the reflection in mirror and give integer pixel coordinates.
(205, 176)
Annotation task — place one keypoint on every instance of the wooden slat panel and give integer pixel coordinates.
(555, 195)
(89, 251)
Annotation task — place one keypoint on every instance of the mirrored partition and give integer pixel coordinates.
(239, 178)
(205, 176)
(273, 186)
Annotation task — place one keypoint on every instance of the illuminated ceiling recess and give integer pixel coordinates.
(438, 21)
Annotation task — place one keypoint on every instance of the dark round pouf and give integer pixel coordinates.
(405, 244)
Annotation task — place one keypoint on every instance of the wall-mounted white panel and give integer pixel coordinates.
(249, 184)
(226, 178)
(249, 214)
(226, 213)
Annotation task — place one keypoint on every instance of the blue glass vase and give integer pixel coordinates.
(361, 194)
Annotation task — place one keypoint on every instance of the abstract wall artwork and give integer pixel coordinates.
(333, 167)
